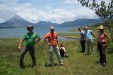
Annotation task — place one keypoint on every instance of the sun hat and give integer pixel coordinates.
(51, 27)
(30, 26)
(101, 27)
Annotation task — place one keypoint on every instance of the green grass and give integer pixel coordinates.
(76, 64)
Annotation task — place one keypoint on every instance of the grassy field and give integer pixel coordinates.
(77, 63)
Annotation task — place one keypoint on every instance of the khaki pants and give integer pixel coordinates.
(57, 52)
(90, 46)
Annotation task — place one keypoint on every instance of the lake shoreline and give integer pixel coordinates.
(68, 37)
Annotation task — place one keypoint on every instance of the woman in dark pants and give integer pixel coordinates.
(103, 38)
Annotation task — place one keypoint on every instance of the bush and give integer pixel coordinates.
(110, 47)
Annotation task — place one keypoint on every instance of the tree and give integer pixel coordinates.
(103, 10)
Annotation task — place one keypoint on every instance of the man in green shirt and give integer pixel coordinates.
(31, 38)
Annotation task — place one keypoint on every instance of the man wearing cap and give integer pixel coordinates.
(31, 38)
(89, 34)
(51, 39)
(102, 40)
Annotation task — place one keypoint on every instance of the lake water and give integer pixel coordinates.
(21, 31)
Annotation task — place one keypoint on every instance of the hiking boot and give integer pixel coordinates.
(50, 65)
(22, 66)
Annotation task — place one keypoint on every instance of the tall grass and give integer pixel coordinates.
(77, 63)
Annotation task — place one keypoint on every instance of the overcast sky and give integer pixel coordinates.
(56, 11)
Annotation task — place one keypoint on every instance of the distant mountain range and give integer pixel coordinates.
(82, 22)
(17, 21)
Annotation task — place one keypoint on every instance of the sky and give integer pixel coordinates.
(56, 11)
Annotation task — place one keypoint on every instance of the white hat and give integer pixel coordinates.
(51, 27)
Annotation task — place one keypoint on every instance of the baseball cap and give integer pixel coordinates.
(51, 27)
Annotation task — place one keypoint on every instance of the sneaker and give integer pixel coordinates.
(104, 64)
(61, 64)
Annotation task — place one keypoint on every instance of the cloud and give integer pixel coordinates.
(70, 1)
(34, 14)
(1, 20)
(56, 15)
(7, 8)
(106, 1)
(8, 1)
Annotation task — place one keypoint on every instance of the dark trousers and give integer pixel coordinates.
(82, 42)
(62, 53)
(32, 54)
(102, 53)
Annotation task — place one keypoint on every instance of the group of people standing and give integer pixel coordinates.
(87, 37)
(31, 38)
(51, 39)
